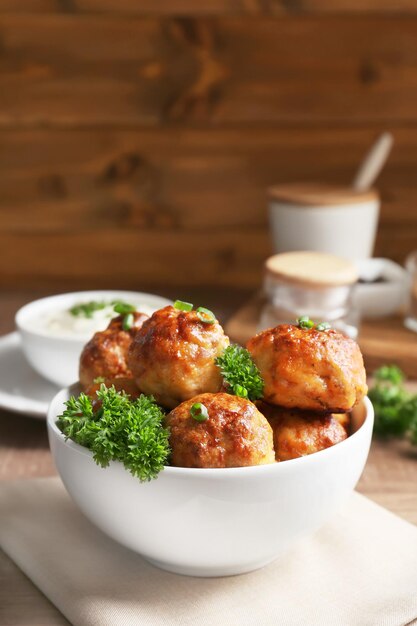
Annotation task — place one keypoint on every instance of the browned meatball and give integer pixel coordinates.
(309, 369)
(172, 356)
(344, 420)
(105, 355)
(235, 434)
(127, 385)
(298, 433)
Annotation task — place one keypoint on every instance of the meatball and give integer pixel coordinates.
(105, 355)
(344, 420)
(127, 385)
(173, 356)
(298, 433)
(235, 434)
(309, 369)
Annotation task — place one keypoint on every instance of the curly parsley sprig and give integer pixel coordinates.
(241, 375)
(395, 407)
(119, 429)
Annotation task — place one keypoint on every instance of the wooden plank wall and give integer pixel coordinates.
(137, 137)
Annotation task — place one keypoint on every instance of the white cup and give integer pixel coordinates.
(324, 218)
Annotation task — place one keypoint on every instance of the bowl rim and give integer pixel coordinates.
(220, 472)
(24, 315)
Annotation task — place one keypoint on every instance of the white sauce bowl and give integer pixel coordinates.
(213, 522)
(56, 356)
(382, 299)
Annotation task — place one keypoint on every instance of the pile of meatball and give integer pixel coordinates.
(312, 380)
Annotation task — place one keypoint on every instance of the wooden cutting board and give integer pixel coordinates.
(382, 341)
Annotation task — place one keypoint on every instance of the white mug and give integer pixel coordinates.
(324, 218)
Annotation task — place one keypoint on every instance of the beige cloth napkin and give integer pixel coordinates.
(359, 570)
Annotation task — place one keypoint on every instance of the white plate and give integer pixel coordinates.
(22, 390)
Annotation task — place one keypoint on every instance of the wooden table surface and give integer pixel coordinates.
(390, 477)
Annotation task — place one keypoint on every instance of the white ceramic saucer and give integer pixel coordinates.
(22, 390)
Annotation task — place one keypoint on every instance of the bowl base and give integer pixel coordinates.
(209, 572)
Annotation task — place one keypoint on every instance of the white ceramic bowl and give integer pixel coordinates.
(55, 356)
(380, 299)
(213, 522)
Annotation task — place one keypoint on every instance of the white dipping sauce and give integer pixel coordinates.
(62, 322)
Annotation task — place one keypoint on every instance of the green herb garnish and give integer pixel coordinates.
(121, 429)
(127, 310)
(199, 412)
(205, 315)
(183, 306)
(240, 373)
(240, 391)
(87, 309)
(323, 326)
(395, 407)
(128, 321)
(123, 308)
(305, 322)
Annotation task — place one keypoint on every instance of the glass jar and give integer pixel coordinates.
(310, 283)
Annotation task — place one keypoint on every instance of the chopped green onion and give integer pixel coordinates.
(128, 321)
(99, 380)
(183, 306)
(87, 309)
(323, 326)
(205, 315)
(123, 308)
(199, 412)
(305, 322)
(240, 391)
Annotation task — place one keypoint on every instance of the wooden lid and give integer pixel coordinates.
(315, 194)
(312, 269)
